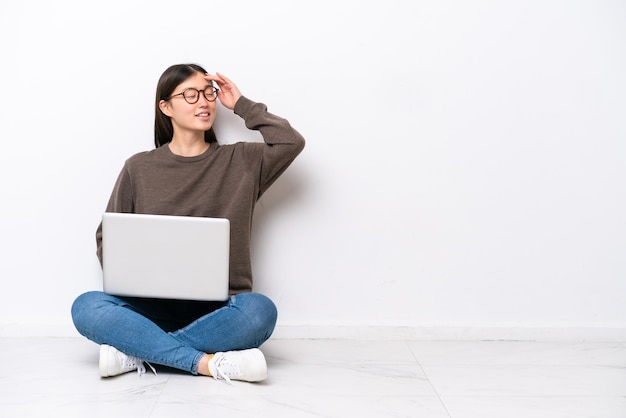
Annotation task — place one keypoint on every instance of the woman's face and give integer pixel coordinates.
(190, 117)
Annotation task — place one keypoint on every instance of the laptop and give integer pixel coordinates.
(167, 257)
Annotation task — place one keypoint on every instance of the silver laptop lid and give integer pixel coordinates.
(171, 257)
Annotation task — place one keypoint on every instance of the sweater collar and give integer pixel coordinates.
(168, 152)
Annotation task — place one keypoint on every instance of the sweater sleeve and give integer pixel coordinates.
(282, 142)
(121, 201)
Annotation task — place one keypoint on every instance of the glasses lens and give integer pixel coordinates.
(191, 95)
(210, 93)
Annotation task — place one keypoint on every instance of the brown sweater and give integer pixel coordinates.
(224, 182)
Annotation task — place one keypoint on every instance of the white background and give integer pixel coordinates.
(464, 164)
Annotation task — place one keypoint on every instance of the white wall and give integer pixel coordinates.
(464, 165)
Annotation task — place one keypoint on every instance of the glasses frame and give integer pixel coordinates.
(213, 98)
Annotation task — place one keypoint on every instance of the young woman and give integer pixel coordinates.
(190, 174)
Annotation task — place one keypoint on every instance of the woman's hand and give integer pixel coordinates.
(228, 92)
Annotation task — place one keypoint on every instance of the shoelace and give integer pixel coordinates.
(223, 368)
(134, 362)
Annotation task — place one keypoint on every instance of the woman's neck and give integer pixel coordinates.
(188, 146)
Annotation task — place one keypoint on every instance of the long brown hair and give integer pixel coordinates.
(170, 79)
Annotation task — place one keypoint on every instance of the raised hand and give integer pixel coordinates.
(228, 92)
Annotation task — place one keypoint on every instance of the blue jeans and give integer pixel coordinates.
(174, 333)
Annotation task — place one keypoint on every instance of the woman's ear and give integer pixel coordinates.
(165, 108)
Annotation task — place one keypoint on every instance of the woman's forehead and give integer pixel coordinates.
(197, 81)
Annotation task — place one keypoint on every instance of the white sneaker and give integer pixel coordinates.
(247, 365)
(113, 362)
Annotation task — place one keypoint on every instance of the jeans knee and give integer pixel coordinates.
(261, 313)
(84, 308)
(79, 305)
(266, 311)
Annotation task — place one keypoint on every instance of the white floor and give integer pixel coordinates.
(50, 377)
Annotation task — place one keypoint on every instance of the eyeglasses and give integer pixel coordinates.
(192, 95)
